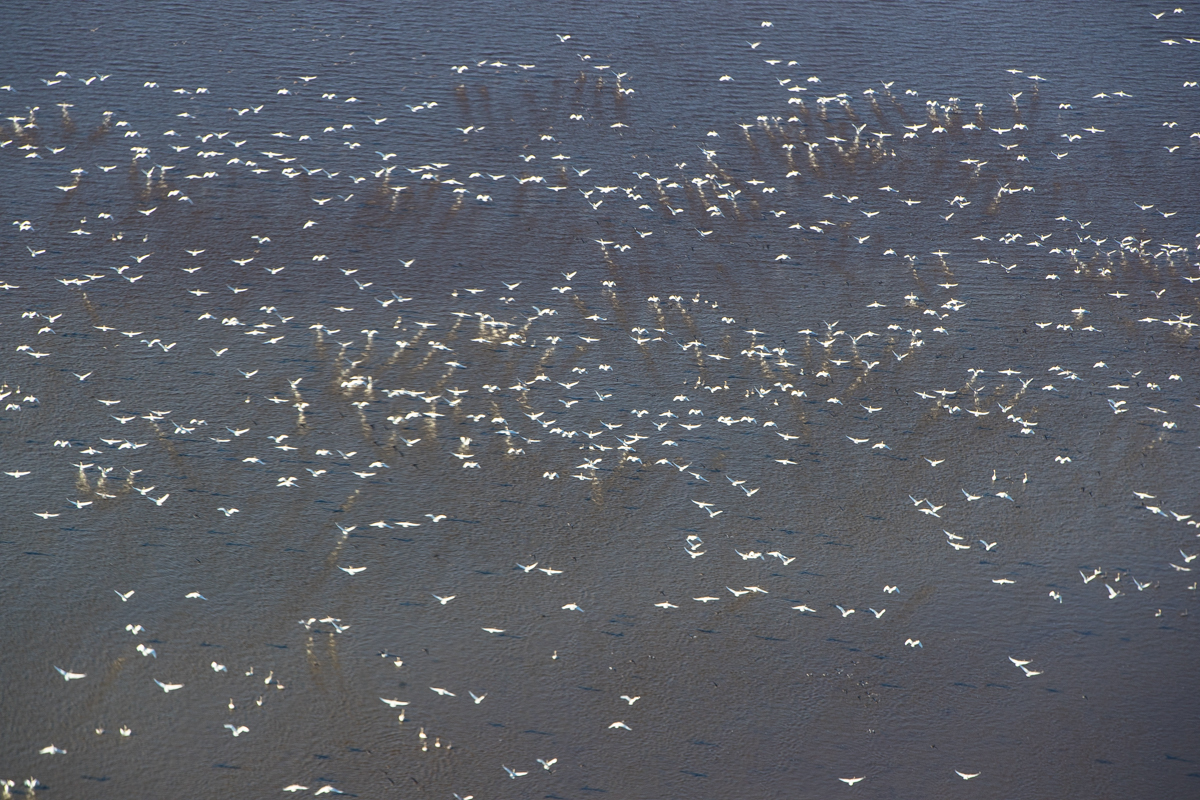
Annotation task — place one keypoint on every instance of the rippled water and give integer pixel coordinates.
(975, 386)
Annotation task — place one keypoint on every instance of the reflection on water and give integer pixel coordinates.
(569, 405)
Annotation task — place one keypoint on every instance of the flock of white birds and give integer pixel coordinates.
(569, 384)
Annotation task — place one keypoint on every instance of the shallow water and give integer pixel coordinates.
(720, 349)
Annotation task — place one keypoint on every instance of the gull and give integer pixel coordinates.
(547, 764)
(705, 599)
(845, 611)
(572, 607)
(738, 592)
(494, 630)
(933, 463)
(512, 773)
(237, 731)
(630, 700)
(914, 643)
(971, 497)
(803, 608)
(168, 687)
(218, 667)
(1029, 673)
(852, 781)
(527, 568)
(1002, 581)
(352, 570)
(478, 698)
(1018, 662)
(70, 676)
(965, 776)
(328, 790)
(443, 692)
(394, 703)
(988, 545)
(436, 517)
(550, 571)
(878, 613)
(1112, 593)
(158, 501)
(51, 750)
(295, 787)
(125, 595)
(620, 724)
(444, 600)
(194, 596)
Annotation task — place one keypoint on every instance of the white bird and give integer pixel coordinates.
(478, 698)
(168, 687)
(620, 724)
(965, 776)
(70, 676)
(444, 600)
(295, 787)
(547, 764)
(845, 611)
(124, 595)
(394, 703)
(443, 692)
(238, 731)
(631, 700)
(351, 570)
(851, 781)
(512, 773)
(572, 607)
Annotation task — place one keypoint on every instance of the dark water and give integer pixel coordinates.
(984, 397)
